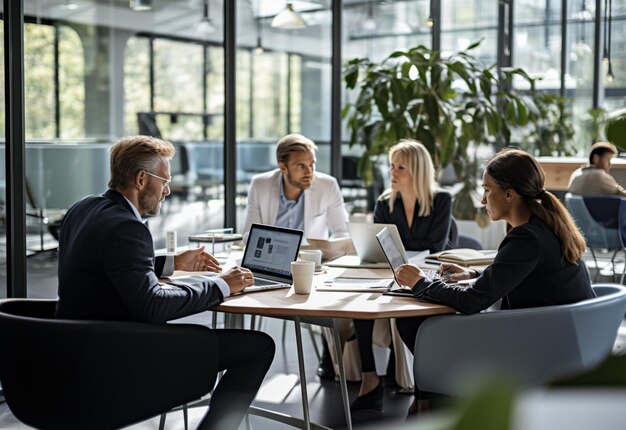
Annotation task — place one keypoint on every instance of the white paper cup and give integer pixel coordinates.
(314, 255)
(302, 273)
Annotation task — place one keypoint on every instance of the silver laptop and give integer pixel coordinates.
(369, 253)
(394, 256)
(268, 254)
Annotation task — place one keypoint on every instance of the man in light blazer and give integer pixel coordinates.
(295, 196)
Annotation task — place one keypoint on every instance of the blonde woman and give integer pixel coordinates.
(422, 213)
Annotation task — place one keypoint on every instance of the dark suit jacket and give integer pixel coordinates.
(107, 268)
(528, 271)
(427, 232)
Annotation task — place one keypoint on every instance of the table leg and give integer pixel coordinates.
(342, 377)
(305, 397)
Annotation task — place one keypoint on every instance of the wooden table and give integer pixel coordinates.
(321, 308)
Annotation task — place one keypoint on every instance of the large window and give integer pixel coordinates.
(464, 22)
(136, 81)
(39, 81)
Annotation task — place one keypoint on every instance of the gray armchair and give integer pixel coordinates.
(456, 353)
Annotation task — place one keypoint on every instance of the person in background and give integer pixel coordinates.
(108, 271)
(594, 178)
(422, 212)
(538, 263)
(296, 196)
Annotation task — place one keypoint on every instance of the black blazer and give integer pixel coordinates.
(427, 232)
(107, 268)
(528, 271)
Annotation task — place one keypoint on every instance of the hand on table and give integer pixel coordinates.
(408, 275)
(453, 272)
(196, 260)
(237, 279)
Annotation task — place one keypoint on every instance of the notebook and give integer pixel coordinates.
(464, 256)
(367, 248)
(268, 255)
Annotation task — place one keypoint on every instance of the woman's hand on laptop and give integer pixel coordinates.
(452, 273)
(237, 279)
(196, 260)
(408, 275)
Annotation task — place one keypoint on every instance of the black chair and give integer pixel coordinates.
(87, 374)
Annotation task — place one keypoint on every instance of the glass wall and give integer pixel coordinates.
(97, 70)
(464, 22)
(285, 89)
(615, 86)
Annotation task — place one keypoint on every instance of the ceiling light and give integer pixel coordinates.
(369, 24)
(259, 47)
(141, 5)
(288, 18)
(609, 75)
(70, 5)
(205, 26)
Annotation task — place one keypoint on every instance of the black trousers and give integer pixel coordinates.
(246, 357)
(407, 329)
(364, 330)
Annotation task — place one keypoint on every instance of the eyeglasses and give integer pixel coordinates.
(166, 182)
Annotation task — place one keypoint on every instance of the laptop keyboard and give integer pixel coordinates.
(262, 282)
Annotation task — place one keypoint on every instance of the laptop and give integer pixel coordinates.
(395, 257)
(369, 254)
(268, 255)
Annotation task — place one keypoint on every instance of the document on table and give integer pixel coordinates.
(358, 285)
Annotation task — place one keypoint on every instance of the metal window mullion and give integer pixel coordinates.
(15, 147)
(230, 125)
(335, 122)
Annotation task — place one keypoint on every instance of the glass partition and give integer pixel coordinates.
(98, 70)
(284, 82)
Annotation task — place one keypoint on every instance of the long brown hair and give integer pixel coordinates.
(517, 170)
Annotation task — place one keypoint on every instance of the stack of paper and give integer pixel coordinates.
(464, 256)
(353, 284)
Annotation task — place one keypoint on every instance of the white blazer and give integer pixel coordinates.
(325, 215)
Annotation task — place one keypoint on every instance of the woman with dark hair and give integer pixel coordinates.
(538, 262)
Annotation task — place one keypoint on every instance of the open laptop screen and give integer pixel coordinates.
(394, 255)
(270, 250)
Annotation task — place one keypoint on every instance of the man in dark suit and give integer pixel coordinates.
(107, 270)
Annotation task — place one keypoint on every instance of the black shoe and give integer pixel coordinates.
(372, 401)
(325, 371)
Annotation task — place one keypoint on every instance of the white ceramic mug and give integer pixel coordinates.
(302, 273)
(314, 255)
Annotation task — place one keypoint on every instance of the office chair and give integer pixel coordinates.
(597, 218)
(88, 374)
(457, 353)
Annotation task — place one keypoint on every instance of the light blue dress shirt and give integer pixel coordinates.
(290, 212)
